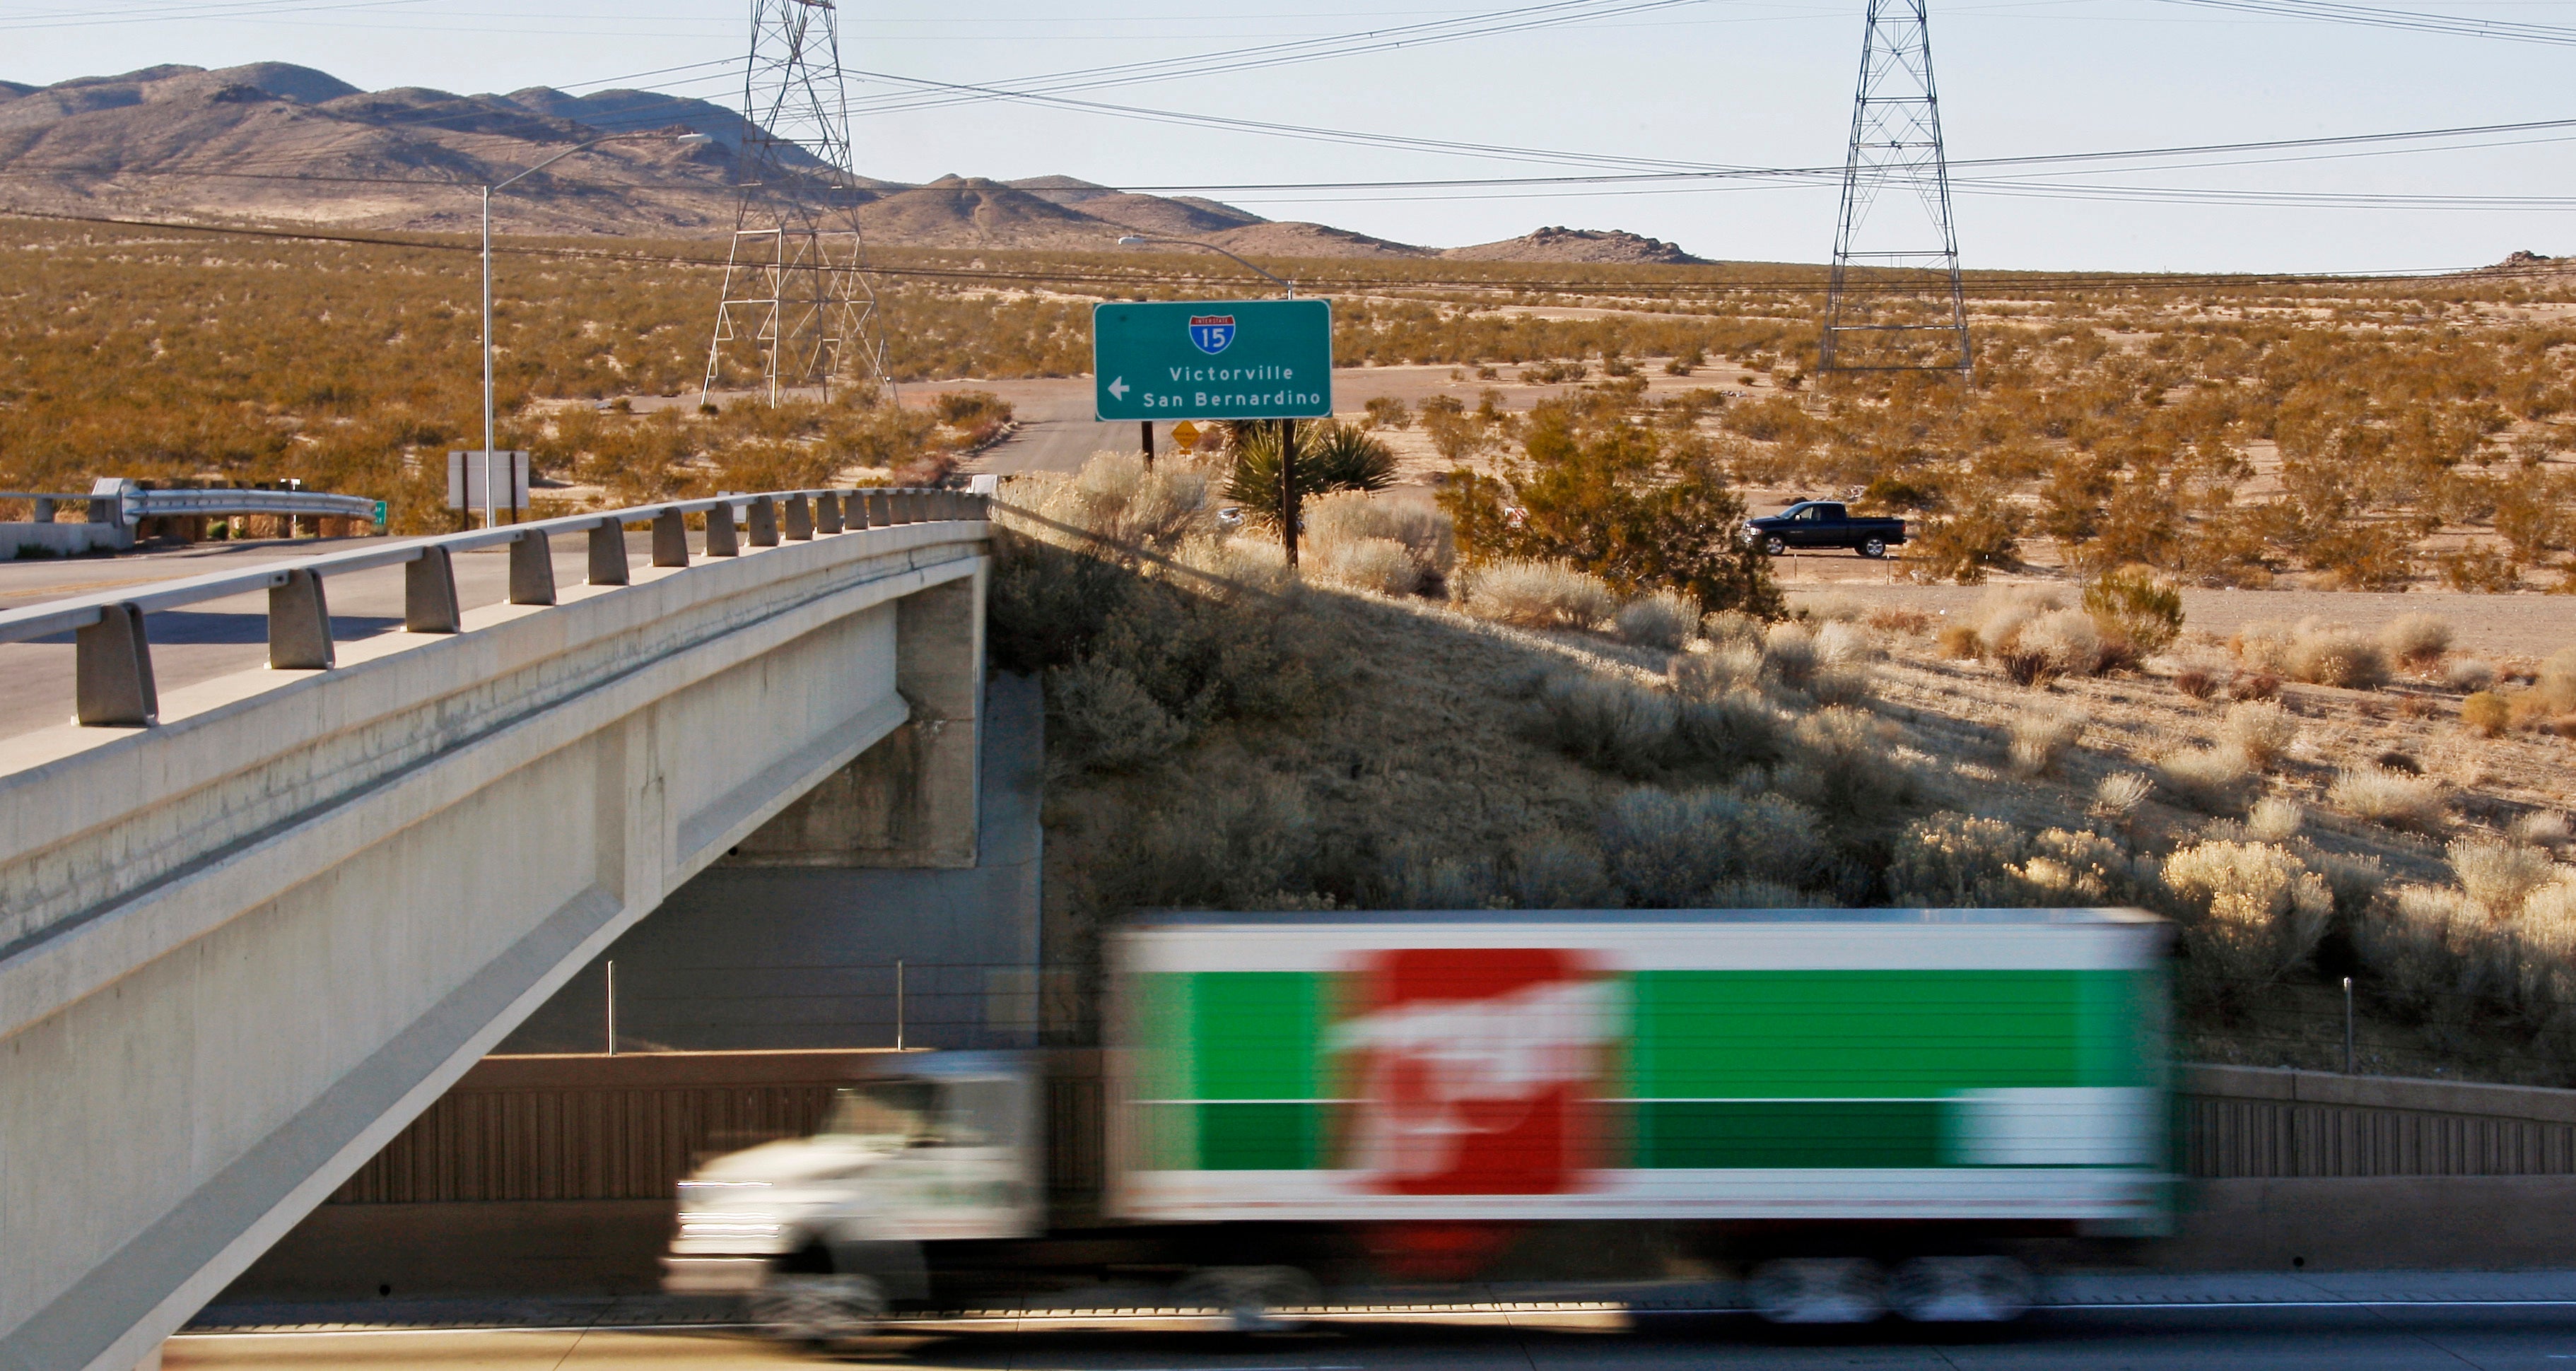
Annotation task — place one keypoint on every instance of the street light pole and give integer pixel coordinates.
(1287, 427)
(488, 517)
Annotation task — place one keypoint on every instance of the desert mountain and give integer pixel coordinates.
(272, 142)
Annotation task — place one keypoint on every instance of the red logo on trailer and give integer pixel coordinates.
(1477, 1069)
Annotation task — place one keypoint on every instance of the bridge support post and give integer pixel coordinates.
(429, 593)
(721, 541)
(608, 553)
(299, 624)
(911, 800)
(113, 669)
(827, 512)
(670, 538)
(800, 519)
(764, 522)
(532, 570)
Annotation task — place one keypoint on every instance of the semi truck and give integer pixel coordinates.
(1846, 1113)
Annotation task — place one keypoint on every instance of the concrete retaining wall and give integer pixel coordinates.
(61, 540)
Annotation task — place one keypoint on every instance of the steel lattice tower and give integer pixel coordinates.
(794, 298)
(1895, 303)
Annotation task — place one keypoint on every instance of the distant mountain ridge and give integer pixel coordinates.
(276, 142)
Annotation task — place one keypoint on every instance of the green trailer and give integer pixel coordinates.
(1950, 1072)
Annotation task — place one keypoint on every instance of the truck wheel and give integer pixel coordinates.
(1775, 545)
(1258, 1299)
(1873, 547)
(1961, 1290)
(1818, 1290)
(818, 1308)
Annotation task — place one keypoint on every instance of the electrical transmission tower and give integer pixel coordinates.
(1895, 302)
(796, 310)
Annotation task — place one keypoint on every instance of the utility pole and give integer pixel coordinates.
(795, 298)
(1895, 302)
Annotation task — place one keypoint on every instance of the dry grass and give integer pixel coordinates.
(2260, 732)
(1664, 619)
(2041, 738)
(2385, 796)
(2418, 639)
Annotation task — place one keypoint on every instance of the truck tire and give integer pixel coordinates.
(1873, 547)
(817, 1308)
(1962, 1290)
(1818, 1290)
(1257, 1299)
(1774, 545)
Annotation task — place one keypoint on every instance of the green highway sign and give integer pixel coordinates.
(1212, 359)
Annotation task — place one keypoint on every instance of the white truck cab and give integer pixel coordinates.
(823, 1232)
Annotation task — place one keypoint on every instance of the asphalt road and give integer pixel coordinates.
(2345, 1338)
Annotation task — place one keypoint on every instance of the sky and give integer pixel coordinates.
(1611, 84)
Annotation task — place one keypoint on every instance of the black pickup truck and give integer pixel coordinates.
(1822, 523)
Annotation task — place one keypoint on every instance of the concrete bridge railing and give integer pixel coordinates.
(252, 928)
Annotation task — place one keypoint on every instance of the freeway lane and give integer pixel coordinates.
(2277, 1338)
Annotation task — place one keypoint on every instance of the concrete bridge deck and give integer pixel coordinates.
(240, 949)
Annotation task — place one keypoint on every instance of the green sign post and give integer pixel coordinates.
(1212, 359)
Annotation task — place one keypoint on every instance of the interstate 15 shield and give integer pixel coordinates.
(1211, 333)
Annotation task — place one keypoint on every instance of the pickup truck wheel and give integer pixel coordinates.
(1775, 545)
(1873, 547)
(818, 1308)
(1256, 1299)
(1818, 1290)
(1961, 1290)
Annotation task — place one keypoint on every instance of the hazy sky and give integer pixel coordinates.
(1759, 83)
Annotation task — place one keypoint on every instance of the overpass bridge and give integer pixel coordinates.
(253, 925)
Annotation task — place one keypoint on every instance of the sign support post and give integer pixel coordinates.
(1288, 490)
(1148, 426)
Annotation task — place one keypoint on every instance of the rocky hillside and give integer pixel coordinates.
(271, 142)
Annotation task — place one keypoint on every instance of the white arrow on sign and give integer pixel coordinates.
(1118, 389)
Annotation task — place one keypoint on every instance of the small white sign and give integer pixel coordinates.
(465, 477)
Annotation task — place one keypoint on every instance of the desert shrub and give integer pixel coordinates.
(2388, 797)
(1964, 547)
(1723, 667)
(1732, 729)
(2213, 780)
(1124, 499)
(2117, 796)
(2260, 732)
(2251, 910)
(2136, 606)
(1539, 595)
(1108, 719)
(1558, 871)
(2417, 639)
(2486, 714)
(2002, 613)
(2355, 879)
(2332, 655)
(2263, 647)
(1663, 619)
(1829, 606)
(2274, 819)
(1350, 516)
(1388, 411)
(1227, 844)
(2041, 737)
(1960, 641)
(1610, 724)
(971, 408)
(1842, 642)
(1668, 851)
(1553, 373)
(1731, 626)
(2557, 684)
(2066, 638)
(2199, 681)
(1897, 619)
(2496, 874)
(1951, 860)
(1843, 765)
(1381, 565)
(2254, 685)
(2469, 673)
(1638, 506)
(2543, 828)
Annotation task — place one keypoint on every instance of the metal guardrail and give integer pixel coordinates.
(122, 502)
(113, 670)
